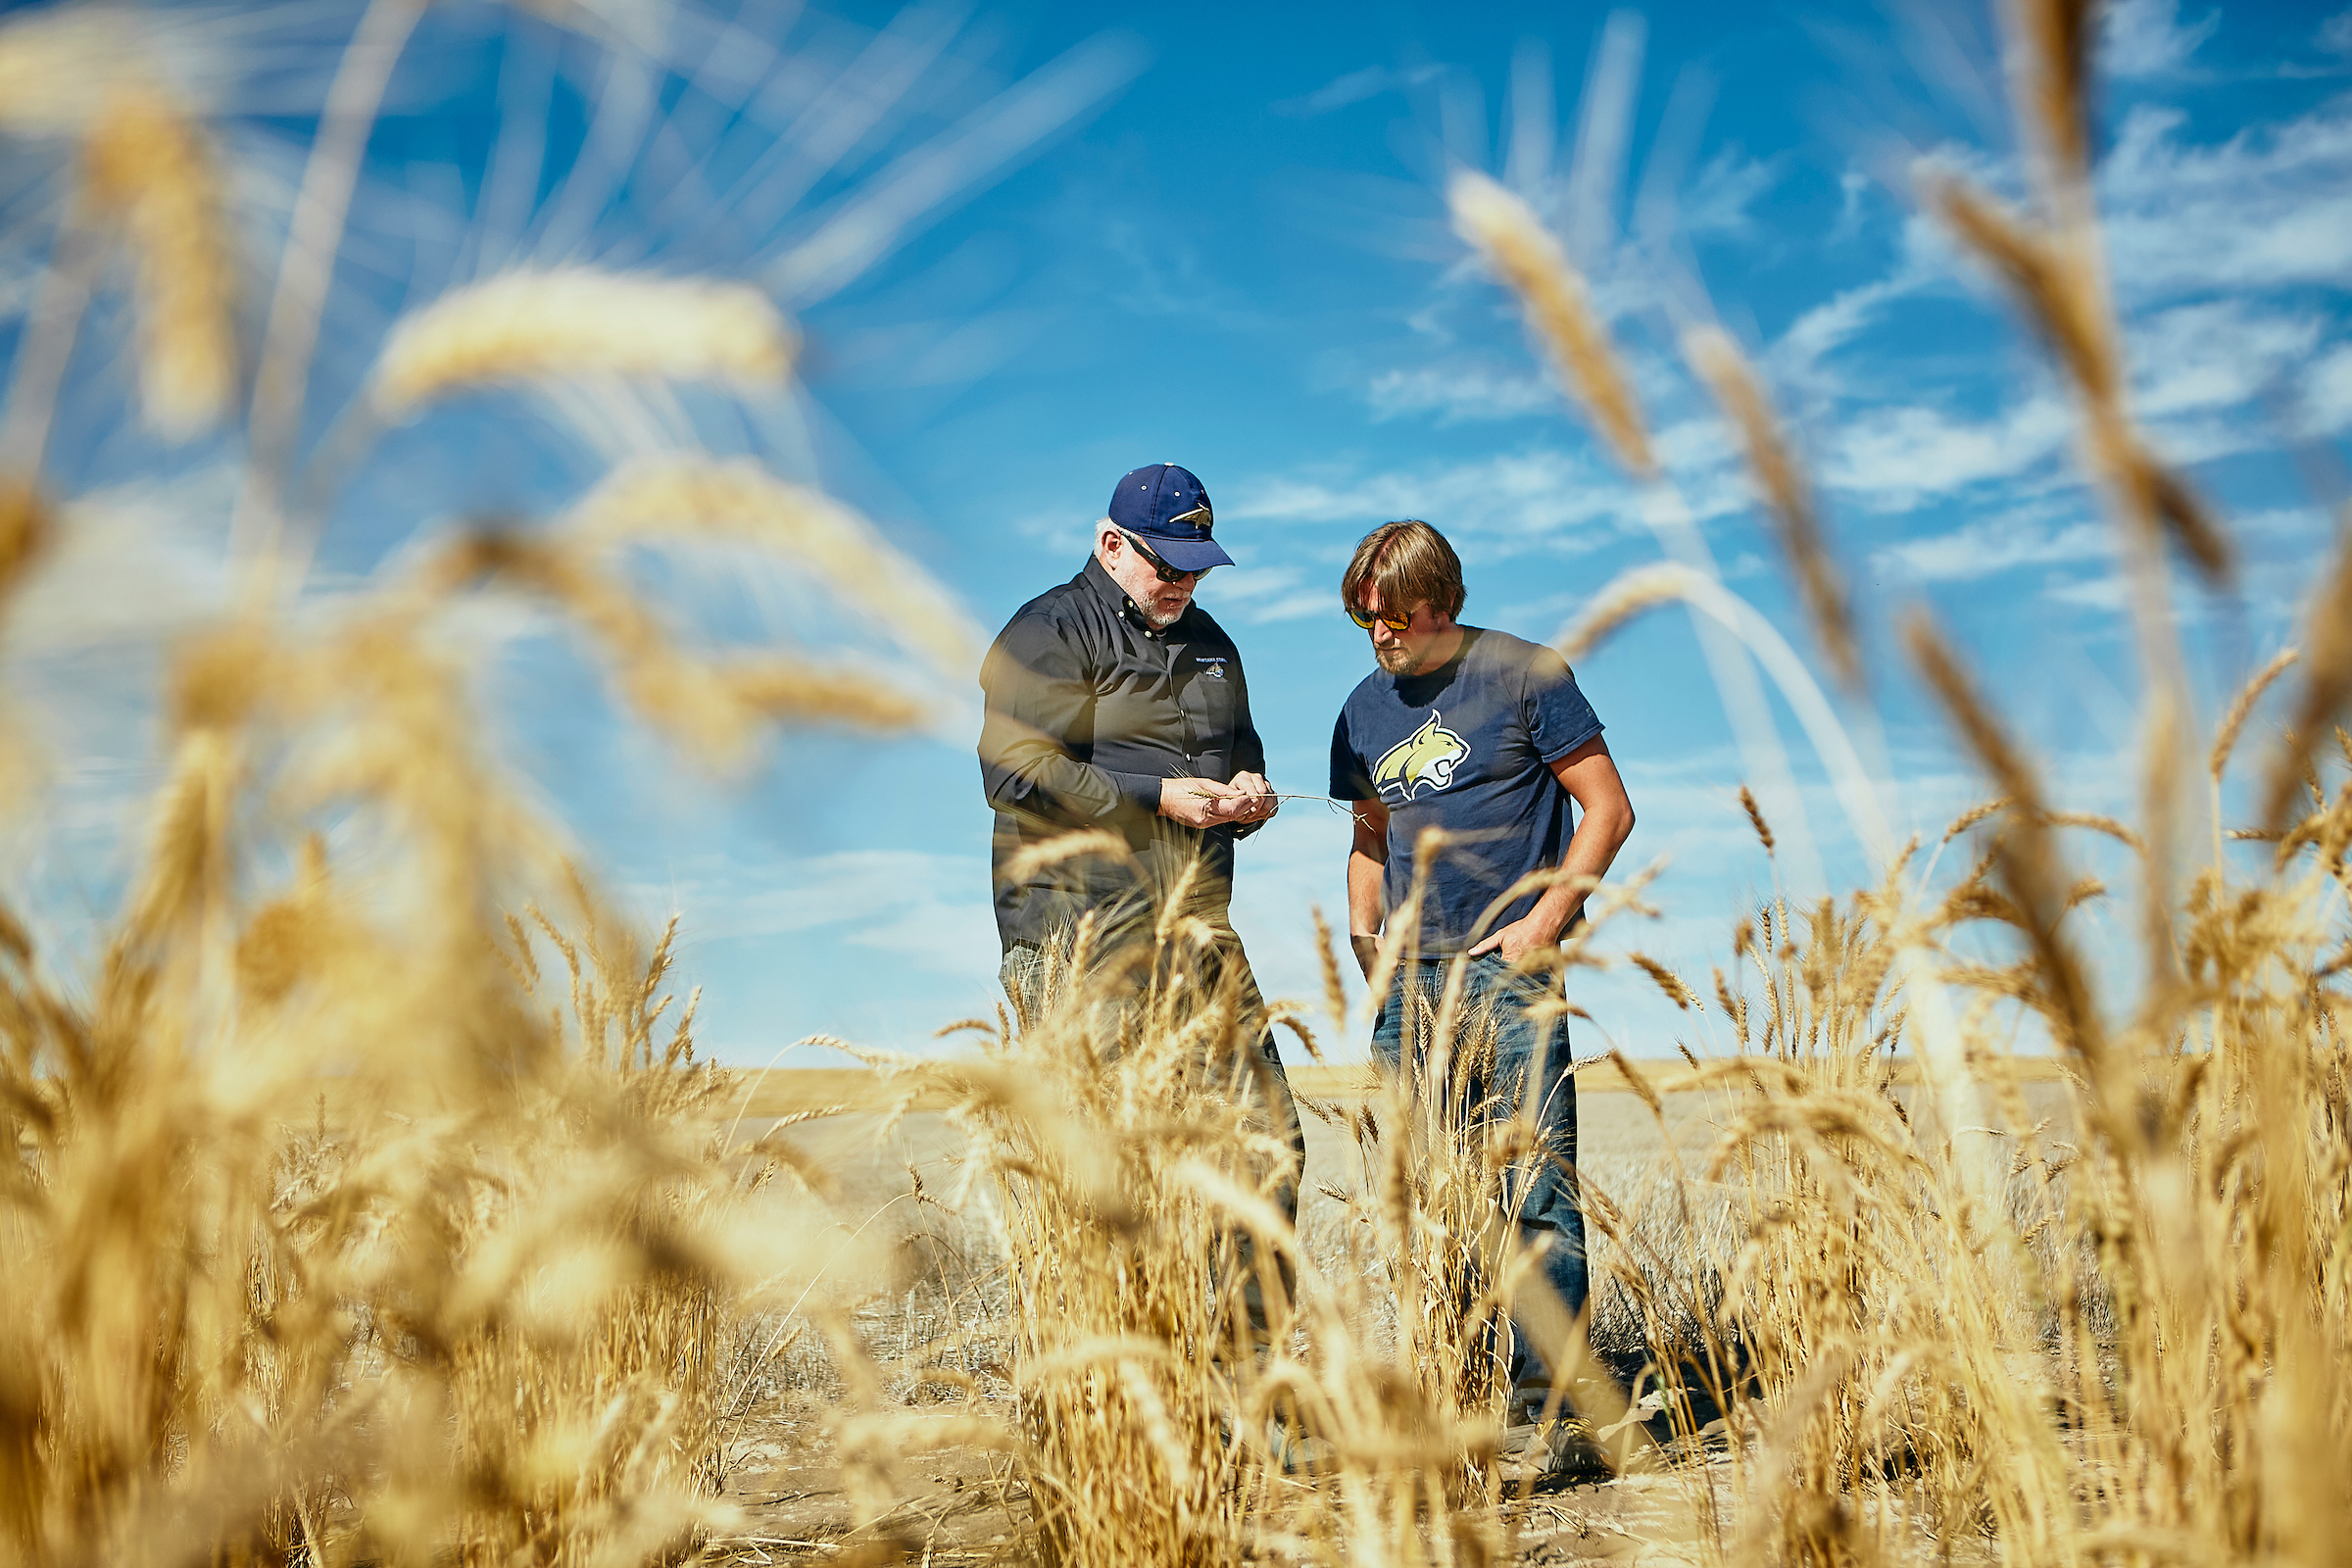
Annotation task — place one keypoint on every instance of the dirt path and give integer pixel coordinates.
(959, 1505)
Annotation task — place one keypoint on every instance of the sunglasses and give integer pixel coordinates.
(1166, 572)
(1399, 624)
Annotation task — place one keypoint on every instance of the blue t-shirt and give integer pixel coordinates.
(1467, 747)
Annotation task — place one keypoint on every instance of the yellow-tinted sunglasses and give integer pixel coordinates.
(1399, 624)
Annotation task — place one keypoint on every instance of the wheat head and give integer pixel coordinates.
(670, 498)
(1559, 307)
(146, 165)
(1740, 394)
(579, 321)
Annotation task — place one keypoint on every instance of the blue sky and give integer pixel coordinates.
(1227, 248)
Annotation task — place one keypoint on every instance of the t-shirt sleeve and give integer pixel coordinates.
(1558, 719)
(1350, 781)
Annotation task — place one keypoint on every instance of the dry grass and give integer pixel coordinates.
(2133, 1341)
(1150, 1421)
(362, 1211)
(359, 1210)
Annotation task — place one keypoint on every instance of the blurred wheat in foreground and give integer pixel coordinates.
(361, 1210)
(365, 1210)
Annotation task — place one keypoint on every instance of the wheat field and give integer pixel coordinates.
(370, 1202)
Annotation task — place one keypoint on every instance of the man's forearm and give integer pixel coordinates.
(1364, 907)
(1591, 849)
(1028, 770)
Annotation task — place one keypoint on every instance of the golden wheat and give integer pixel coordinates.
(1740, 395)
(2242, 709)
(343, 1228)
(1559, 307)
(1633, 591)
(578, 322)
(147, 166)
(1756, 817)
(673, 498)
(56, 65)
(2327, 681)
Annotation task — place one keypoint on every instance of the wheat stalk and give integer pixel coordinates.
(1559, 307)
(305, 272)
(714, 707)
(146, 165)
(669, 498)
(57, 67)
(578, 322)
(2059, 289)
(1638, 589)
(25, 528)
(1756, 817)
(1666, 980)
(2326, 679)
(1740, 394)
(2242, 709)
(2051, 78)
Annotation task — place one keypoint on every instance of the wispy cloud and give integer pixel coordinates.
(2327, 392)
(1354, 88)
(2216, 355)
(1894, 459)
(1991, 546)
(2264, 209)
(1800, 359)
(2144, 38)
(1165, 276)
(2105, 594)
(903, 901)
(1539, 493)
(1721, 202)
(1262, 594)
(2270, 205)
(1461, 391)
(1852, 186)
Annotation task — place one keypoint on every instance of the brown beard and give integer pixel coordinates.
(1397, 660)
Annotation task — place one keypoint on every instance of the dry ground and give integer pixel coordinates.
(962, 1504)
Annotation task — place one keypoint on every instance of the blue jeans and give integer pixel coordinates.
(1544, 1186)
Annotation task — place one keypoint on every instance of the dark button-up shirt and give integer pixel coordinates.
(1088, 708)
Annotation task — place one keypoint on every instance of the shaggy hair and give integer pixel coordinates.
(1410, 563)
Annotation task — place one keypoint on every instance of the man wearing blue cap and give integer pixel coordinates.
(1115, 702)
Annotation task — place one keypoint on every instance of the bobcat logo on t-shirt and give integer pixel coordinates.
(1429, 755)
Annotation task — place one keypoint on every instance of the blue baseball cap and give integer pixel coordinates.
(1166, 508)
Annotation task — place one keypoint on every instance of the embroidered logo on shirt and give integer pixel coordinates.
(1212, 669)
(1429, 755)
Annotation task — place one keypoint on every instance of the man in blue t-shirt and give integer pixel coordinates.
(1485, 736)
